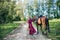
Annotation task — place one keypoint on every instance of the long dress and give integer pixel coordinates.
(31, 28)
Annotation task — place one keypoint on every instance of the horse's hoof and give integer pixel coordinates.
(43, 33)
(49, 32)
(37, 32)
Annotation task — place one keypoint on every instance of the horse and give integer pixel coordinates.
(43, 22)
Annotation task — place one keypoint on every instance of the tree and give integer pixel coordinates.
(6, 11)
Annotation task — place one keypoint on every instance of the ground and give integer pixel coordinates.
(21, 33)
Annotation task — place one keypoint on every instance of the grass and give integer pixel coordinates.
(55, 29)
(7, 28)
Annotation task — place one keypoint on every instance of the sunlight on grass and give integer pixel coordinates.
(19, 21)
(54, 20)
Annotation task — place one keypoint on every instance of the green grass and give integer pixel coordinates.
(7, 28)
(55, 29)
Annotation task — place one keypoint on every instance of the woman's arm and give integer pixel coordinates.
(32, 19)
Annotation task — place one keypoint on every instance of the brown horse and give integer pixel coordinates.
(43, 22)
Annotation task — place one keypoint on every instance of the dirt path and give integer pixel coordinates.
(21, 33)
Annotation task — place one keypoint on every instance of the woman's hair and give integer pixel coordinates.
(29, 17)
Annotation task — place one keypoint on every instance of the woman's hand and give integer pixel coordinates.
(28, 29)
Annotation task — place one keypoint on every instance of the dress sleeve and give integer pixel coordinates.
(32, 20)
(28, 21)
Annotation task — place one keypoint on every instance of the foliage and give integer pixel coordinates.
(17, 18)
(50, 7)
(7, 11)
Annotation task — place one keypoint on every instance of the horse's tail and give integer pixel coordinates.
(47, 24)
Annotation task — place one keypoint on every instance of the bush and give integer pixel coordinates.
(17, 18)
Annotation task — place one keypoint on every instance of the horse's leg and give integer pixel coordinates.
(41, 27)
(44, 26)
(47, 25)
(48, 28)
(37, 28)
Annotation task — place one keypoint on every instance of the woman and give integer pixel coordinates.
(31, 28)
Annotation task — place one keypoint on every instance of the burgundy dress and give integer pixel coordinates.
(31, 28)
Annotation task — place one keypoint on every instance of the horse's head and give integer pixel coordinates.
(34, 17)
